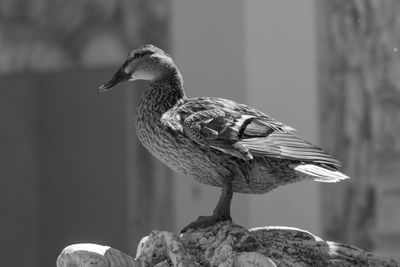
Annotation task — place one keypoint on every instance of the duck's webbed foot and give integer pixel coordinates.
(222, 211)
(205, 221)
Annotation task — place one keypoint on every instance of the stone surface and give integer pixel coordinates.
(227, 244)
(93, 255)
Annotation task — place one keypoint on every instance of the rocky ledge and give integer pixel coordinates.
(226, 244)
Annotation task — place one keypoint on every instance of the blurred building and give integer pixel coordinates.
(71, 167)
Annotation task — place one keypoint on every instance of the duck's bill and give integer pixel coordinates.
(105, 87)
(119, 76)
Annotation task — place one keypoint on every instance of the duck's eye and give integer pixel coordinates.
(147, 52)
(136, 55)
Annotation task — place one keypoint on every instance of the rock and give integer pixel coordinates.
(93, 255)
(227, 244)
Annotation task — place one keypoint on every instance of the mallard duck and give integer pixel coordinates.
(217, 141)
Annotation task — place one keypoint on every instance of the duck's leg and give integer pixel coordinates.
(222, 211)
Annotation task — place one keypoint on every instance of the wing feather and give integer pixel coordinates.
(241, 131)
(288, 146)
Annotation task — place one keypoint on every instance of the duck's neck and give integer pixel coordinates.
(162, 94)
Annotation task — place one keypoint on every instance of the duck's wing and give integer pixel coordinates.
(287, 145)
(242, 132)
(219, 124)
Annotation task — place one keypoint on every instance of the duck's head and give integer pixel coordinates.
(145, 63)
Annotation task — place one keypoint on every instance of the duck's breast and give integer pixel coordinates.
(180, 153)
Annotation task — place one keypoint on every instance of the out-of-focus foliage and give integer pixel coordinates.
(46, 35)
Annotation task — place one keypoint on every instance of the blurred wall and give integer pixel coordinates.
(208, 39)
(228, 48)
(261, 53)
(281, 80)
(19, 176)
(71, 167)
(359, 96)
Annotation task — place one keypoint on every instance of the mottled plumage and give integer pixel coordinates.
(214, 140)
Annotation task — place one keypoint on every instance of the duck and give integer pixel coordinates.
(217, 141)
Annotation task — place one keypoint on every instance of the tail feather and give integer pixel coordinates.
(320, 174)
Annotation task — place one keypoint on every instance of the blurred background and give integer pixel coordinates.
(72, 170)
